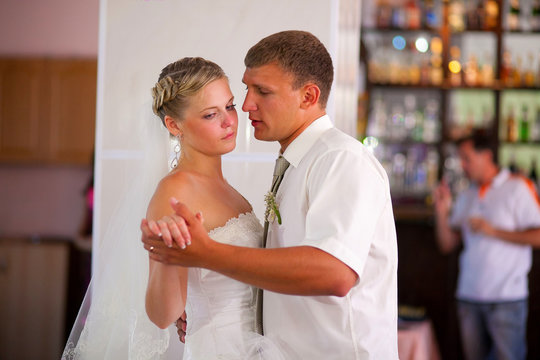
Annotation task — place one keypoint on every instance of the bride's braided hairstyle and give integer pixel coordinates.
(180, 80)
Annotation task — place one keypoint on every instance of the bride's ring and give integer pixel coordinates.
(151, 248)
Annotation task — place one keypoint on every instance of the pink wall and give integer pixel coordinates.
(63, 28)
(45, 200)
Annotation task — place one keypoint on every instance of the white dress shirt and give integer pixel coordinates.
(335, 196)
(491, 269)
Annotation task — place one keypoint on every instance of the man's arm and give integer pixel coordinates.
(447, 239)
(301, 270)
(524, 237)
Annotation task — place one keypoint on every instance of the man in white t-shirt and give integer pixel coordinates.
(498, 220)
(329, 271)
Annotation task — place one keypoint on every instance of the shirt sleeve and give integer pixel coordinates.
(526, 206)
(348, 198)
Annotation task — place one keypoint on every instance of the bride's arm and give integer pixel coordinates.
(167, 284)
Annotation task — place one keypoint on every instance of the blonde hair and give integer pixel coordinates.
(179, 81)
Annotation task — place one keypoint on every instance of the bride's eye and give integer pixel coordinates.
(209, 116)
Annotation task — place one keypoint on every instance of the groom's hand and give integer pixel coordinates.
(190, 256)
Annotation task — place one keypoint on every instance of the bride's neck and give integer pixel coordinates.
(209, 166)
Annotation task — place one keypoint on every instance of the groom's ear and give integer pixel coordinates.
(310, 95)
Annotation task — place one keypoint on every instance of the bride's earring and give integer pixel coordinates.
(174, 162)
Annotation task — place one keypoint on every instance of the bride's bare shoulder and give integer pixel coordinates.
(178, 184)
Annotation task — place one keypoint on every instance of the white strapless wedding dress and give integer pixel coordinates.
(221, 312)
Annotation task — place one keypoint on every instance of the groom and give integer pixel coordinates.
(329, 269)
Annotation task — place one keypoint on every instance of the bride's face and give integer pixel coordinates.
(210, 122)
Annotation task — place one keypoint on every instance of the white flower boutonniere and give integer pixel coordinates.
(272, 208)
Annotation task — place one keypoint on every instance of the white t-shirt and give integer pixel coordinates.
(335, 196)
(491, 269)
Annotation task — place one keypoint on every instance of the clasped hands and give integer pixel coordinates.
(169, 239)
(479, 224)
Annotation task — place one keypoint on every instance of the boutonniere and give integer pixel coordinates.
(272, 208)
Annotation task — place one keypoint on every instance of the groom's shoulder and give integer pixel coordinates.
(335, 139)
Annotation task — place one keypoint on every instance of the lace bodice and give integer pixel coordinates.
(220, 310)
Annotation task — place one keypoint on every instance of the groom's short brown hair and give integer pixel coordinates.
(299, 53)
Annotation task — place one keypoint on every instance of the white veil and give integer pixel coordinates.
(112, 321)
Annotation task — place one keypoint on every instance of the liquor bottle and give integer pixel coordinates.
(431, 19)
(513, 15)
(491, 14)
(475, 12)
(535, 128)
(528, 76)
(456, 15)
(517, 75)
(535, 16)
(384, 14)
(512, 165)
(471, 71)
(414, 15)
(538, 72)
(436, 73)
(455, 66)
(524, 125)
(487, 74)
(511, 129)
(506, 68)
(533, 175)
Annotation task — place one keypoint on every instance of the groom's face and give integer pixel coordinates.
(272, 103)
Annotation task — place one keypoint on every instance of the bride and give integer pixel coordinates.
(194, 102)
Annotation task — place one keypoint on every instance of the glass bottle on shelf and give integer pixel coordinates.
(513, 15)
(533, 175)
(535, 16)
(535, 128)
(511, 128)
(538, 71)
(384, 14)
(524, 125)
(487, 74)
(528, 75)
(431, 122)
(475, 13)
(517, 75)
(455, 66)
(436, 73)
(491, 14)
(431, 20)
(512, 164)
(432, 163)
(506, 69)
(410, 120)
(456, 15)
(414, 14)
(471, 71)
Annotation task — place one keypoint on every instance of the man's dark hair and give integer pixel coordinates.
(482, 139)
(299, 53)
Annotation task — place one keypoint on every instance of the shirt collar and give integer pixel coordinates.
(501, 177)
(303, 142)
